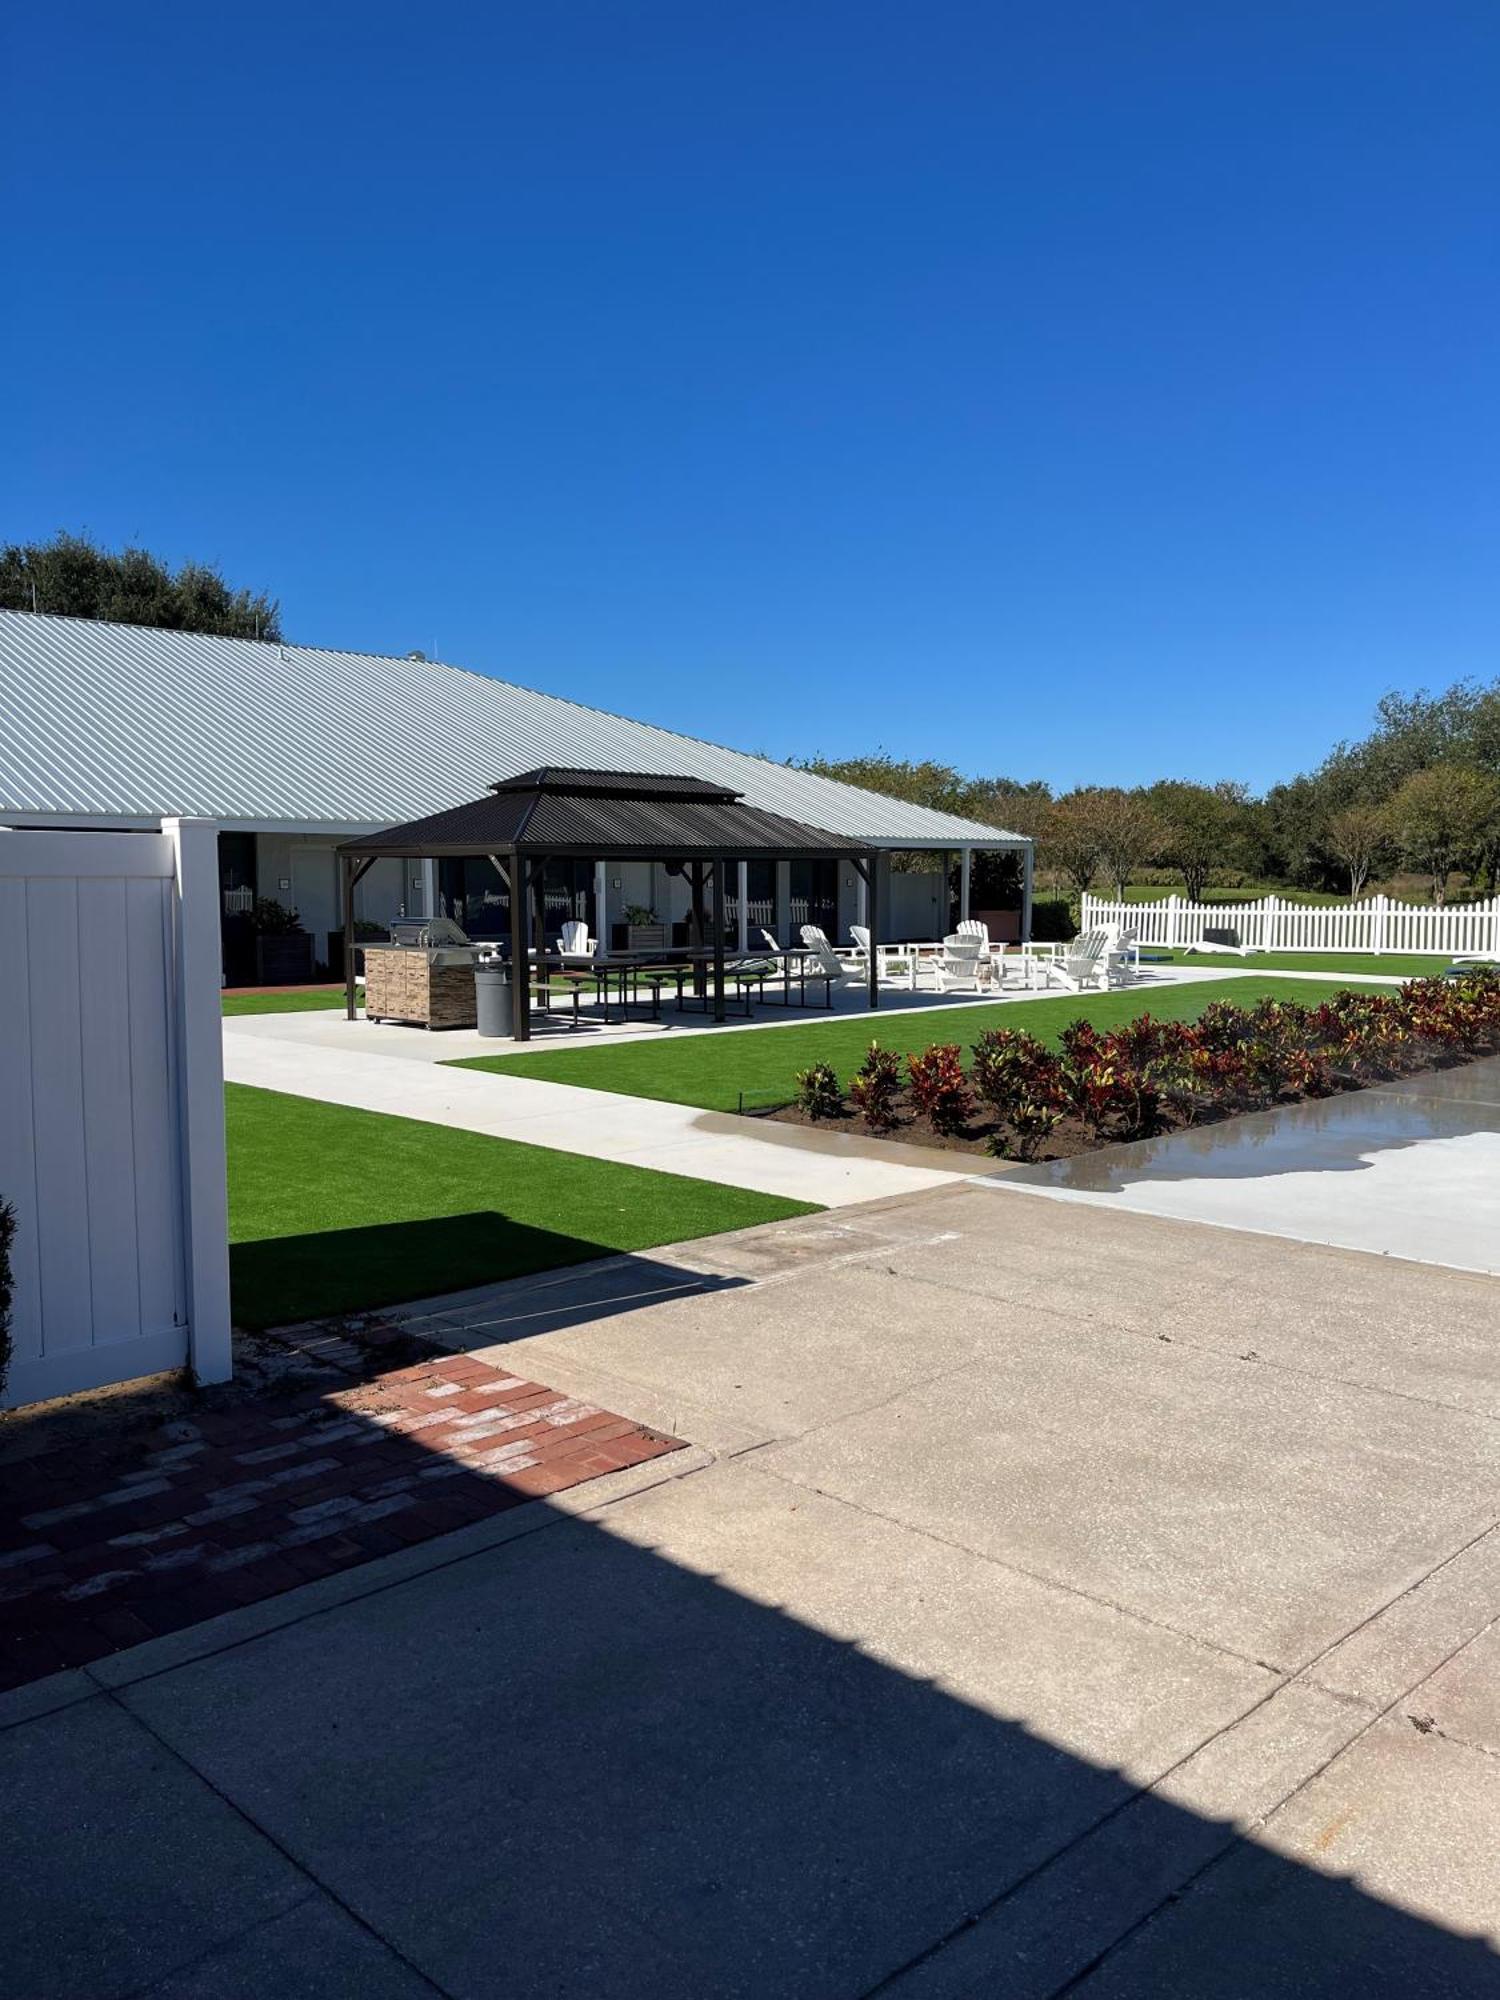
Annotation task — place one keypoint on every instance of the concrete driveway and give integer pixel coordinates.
(1053, 1601)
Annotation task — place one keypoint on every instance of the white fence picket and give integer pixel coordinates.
(1470, 930)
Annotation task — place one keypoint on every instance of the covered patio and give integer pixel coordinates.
(601, 817)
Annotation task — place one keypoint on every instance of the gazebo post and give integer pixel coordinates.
(520, 969)
(348, 882)
(354, 872)
(538, 881)
(870, 869)
(718, 923)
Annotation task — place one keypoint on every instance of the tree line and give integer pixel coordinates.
(72, 577)
(1421, 791)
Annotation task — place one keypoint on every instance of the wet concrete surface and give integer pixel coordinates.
(1404, 1170)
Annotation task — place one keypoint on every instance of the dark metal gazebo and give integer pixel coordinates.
(521, 823)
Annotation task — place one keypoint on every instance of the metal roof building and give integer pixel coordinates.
(125, 723)
(292, 749)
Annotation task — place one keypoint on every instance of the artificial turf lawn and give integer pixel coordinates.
(714, 1071)
(1398, 965)
(301, 1000)
(334, 1211)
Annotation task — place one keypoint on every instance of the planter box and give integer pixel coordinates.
(284, 960)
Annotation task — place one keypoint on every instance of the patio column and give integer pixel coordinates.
(742, 898)
(782, 921)
(1028, 871)
(601, 908)
(965, 870)
(862, 899)
(718, 923)
(520, 980)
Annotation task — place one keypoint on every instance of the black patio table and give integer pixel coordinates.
(695, 962)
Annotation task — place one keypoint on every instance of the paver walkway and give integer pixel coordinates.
(107, 1546)
(828, 1168)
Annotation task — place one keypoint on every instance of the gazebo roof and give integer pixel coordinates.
(607, 816)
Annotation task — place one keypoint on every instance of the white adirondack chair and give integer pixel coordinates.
(1088, 962)
(897, 967)
(821, 954)
(964, 965)
(575, 945)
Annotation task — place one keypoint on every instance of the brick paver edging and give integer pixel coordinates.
(239, 1505)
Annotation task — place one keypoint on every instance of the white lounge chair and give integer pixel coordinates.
(1221, 938)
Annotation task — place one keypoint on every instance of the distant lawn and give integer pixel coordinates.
(1402, 966)
(295, 1000)
(713, 1070)
(335, 1211)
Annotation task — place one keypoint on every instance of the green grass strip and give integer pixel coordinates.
(303, 1001)
(334, 1211)
(713, 1070)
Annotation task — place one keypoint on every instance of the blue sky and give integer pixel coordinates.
(1093, 391)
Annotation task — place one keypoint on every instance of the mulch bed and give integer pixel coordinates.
(118, 1526)
(1070, 1137)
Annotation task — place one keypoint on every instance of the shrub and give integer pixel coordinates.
(1029, 1124)
(876, 1084)
(818, 1091)
(1020, 1079)
(939, 1088)
(273, 919)
(7, 1238)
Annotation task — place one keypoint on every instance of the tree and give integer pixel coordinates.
(73, 577)
(1129, 833)
(1202, 828)
(1445, 818)
(1073, 837)
(1355, 837)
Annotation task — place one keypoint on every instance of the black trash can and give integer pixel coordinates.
(493, 1000)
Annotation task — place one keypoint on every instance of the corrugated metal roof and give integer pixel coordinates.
(611, 815)
(130, 721)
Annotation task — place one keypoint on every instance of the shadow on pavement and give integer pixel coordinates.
(578, 1763)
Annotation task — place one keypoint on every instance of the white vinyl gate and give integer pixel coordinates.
(111, 1106)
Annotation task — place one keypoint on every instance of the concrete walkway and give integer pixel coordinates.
(830, 1168)
(1054, 1601)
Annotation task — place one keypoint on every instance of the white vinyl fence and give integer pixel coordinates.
(112, 1106)
(1378, 924)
